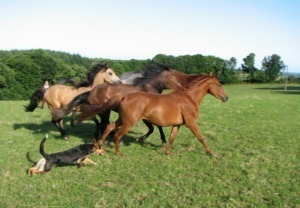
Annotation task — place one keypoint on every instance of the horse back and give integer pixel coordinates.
(61, 95)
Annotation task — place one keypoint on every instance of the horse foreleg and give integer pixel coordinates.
(59, 125)
(171, 138)
(194, 128)
(162, 136)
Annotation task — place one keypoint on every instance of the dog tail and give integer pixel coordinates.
(29, 158)
(45, 155)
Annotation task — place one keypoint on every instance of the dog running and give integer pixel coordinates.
(77, 155)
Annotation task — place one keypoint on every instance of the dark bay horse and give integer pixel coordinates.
(174, 109)
(58, 96)
(153, 78)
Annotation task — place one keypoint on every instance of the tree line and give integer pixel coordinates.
(23, 71)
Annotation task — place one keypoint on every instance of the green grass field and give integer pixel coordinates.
(255, 134)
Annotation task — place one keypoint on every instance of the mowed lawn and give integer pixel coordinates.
(255, 134)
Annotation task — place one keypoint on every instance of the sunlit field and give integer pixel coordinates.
(255, 135)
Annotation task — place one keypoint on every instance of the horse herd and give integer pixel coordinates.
(134, 96)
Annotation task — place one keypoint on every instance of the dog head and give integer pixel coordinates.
(97, 148)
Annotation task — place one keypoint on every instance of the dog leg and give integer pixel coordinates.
(86, 161)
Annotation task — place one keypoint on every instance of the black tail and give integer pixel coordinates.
(70, 81)
(77, 101)
(35, 99)
(88, 111)
(29, 158)
(45, 155)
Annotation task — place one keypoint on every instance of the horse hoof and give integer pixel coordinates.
(212, 154)
(66, 138)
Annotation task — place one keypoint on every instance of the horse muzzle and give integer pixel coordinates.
(224, 99)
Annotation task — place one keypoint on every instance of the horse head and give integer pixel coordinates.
(216, 89)
(104, 74)
(110, 76)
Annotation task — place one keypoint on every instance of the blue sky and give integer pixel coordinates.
(135, 29)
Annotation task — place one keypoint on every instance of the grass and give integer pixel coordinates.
(256, 136)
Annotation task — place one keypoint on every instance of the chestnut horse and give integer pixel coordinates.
(153, 78)
(58, 96)
(174, 109)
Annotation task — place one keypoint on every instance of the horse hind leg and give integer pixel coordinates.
(59, 125)
(150, 131)
(171, 138)
(118, 136)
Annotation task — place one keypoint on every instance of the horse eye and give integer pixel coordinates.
(110, 73)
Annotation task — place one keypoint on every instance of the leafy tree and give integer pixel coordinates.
(259, 77)
(249, 65)
(231, 63)
(8, 84)
(272, 65)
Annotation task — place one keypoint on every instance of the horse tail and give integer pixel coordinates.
(35, 99)
(77, 101)
(45, 155)
(88, 111)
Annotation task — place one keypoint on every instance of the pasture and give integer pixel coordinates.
(255, 134)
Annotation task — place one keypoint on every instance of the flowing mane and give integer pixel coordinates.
(196, 79)
(96, 68)
(144, 76)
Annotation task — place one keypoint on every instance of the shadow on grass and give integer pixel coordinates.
(291, 90)
(85, 131)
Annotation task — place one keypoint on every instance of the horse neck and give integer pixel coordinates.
(99, 79)
(199, 90)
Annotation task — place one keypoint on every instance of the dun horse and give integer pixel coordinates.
(58, 96)
(173, 109)
(154, 78)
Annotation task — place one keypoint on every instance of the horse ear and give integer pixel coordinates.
(218, 75)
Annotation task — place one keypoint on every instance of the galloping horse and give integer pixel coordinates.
(38, 95)
(58, 96)
(174, 109)
(154, 78)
